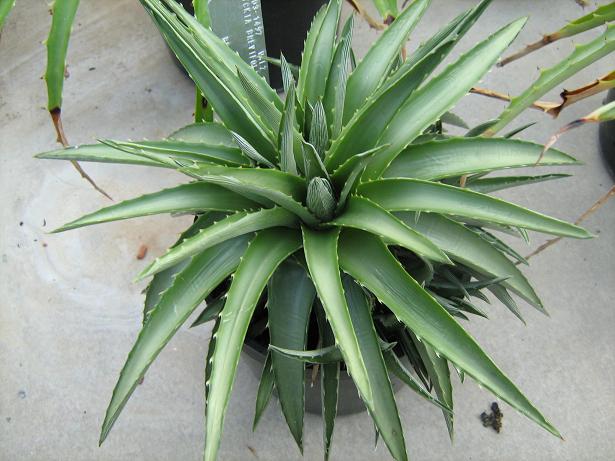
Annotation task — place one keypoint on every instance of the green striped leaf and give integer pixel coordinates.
(232, 226)
(419, 195)
(269, 185)
(268, 249)
(318, 54)
(187, 198)
(367, 259)
(170, 150)
(162, 281)
(373, 69)
(100, 153)
(365, 128)
(285, 133)
(329, 380)
(458, 156)
(290, 295)
(383, 408)
(488, 185)
(336, 82)
(191, 286)
(320, 248)
(440, 94)
(361, 213)
(213, 134)
(469, 248)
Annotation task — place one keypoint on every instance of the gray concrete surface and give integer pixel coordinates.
(69, 313)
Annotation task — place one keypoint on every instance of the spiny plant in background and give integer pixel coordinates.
(332, 226)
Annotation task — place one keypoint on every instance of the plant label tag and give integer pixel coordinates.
(240, 24)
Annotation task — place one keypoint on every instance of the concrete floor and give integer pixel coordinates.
(69, 313)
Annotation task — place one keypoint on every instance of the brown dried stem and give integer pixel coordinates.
(374, 24)
(543, 106)
(544, 41)
(591, 210)
(61, 138)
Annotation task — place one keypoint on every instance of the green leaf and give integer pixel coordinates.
(320, 249)
(191, 286)
(346, 175)
(290, 295)
(288, 76)
(210, 353)
(369, 122)
(174, 154)
(99, 153)
(428, 103)
(212, 134)
(453, 119)
(396, 367)
(313, 165)
(580, 58)
(437, 369)
(320, 199)
(329, 380)
(324, 355)
(373, 69)
(471, 249)
(211, 312)
(458, 156)
(336, 82)
(63, 15)
(162, 281)
(318, 54)
(5, 8)
(420, 195)
(275, 186)
(268, 249)
(249, 151)
(268, 111)
(319, 134)
(329, 354)
(355, 335)
(232, 226)
(285, 133)
(506, 182)
(450, 33)
(186, 198)
(367, 259)
(265, 389)
(383, 408)
(363, 214)
(479, 129)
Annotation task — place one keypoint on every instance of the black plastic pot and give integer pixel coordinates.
(607, 138)
(348, 402)
(286, 24)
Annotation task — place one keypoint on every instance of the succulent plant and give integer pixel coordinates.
(340, 227)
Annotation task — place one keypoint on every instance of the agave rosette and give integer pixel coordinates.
(336, 214)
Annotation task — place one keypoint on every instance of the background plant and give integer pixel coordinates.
(335, 176)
